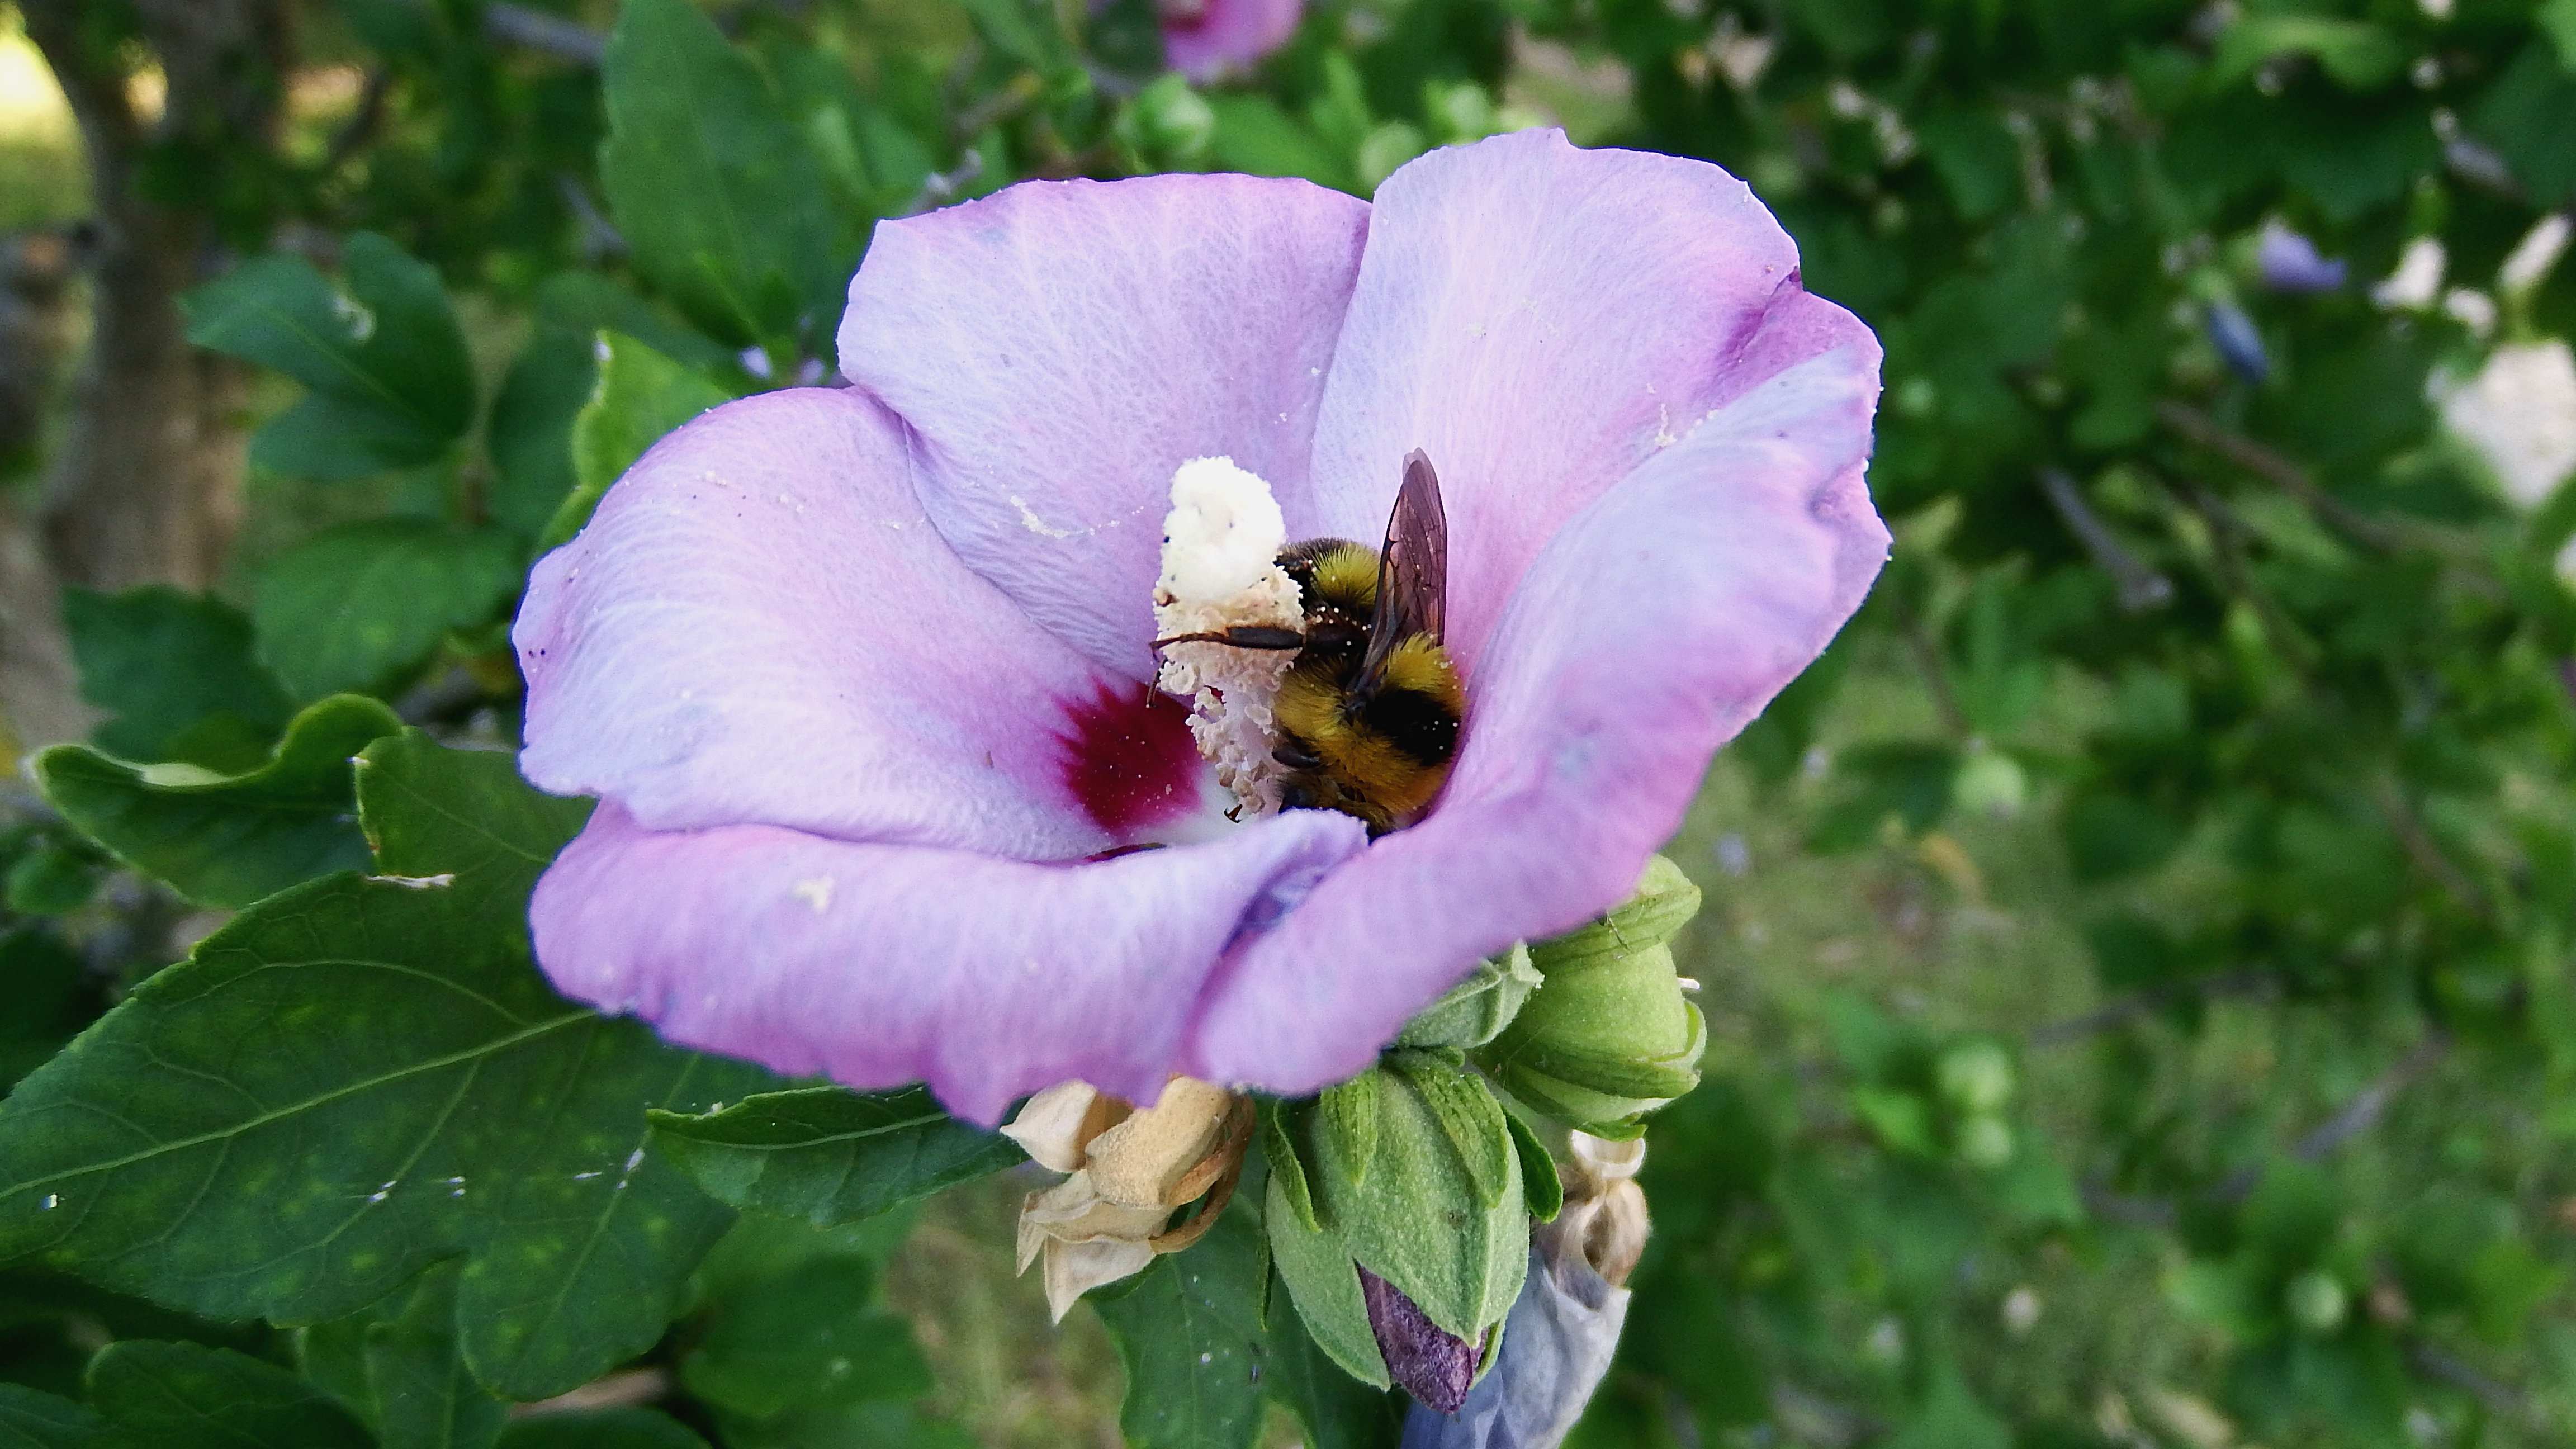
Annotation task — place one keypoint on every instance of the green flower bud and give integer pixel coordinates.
(1169, 120)
(1386, 148)
(1990, 782)
(1608, 1035)
(1976, 1077)
(2317, 1301)
(1476, 1010)
(1985, 1142)
(1411, 1171)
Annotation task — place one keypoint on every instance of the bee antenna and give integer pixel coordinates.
(1241, 637)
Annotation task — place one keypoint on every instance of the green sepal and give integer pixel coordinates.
(1665, 901)
(1467, 1112)
(1323, 1282)
(228, 840)
(1287, 1169)
(1415, 1211)
(1347, 1114)
(1476, 1010)
(1605, 1072)
(1542, 1188)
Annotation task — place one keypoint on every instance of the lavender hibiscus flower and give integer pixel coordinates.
(1203, 38)
(861, 675)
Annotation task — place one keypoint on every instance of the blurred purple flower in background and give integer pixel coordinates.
(1203, 38)
(2238, 343)
(2290, 263)
(862, 675)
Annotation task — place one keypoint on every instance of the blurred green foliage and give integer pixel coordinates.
(2137, 977)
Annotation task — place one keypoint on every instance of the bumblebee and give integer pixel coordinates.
(1369, 712)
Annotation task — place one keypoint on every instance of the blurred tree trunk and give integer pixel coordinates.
(146, 486)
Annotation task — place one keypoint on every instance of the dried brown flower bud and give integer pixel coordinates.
(1131, 1171)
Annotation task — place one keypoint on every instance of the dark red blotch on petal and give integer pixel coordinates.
(1427, 1361)
(1128, 757)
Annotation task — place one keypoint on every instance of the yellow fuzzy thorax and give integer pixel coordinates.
(1345, 579)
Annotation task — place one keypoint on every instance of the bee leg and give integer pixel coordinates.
(1295, 796)
(1294, 758)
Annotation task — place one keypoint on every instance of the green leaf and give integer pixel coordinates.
(1024, 30)
(334, 439)
(2358, 55)
(588, 303)
(880, 1425)
(430, 811)
(52, 880)
(1336, 1409)
(641, 395)
(361, 607)
(2349, 161)
(2524, 116)
(1978, 160)
(1189, 1334)
(384, 360)
(1950, 1417)
(417, 1093)
(183, 1396)
(165, 664)
(877, 167)
(1253, 135)
(2557, 20)
(2219, 1295)
(228, 840)
(601, 1429)
(33, 1419)
(1126, 36)
(531, 431)
(812, 1338)
(45, 983)
(710, 180)
(1901, 1119)
(829, 1155)
(423, 1395)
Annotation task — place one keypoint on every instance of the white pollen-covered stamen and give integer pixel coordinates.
(1221, 571)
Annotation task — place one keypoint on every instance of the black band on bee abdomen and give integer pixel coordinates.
(1422, 727)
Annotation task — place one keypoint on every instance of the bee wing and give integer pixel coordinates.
(1412, 571)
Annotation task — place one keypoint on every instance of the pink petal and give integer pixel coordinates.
(885, 964)
(1660, 620)
(1060, 347)
(1227, 33)
(761, 626)
(1541, 320)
